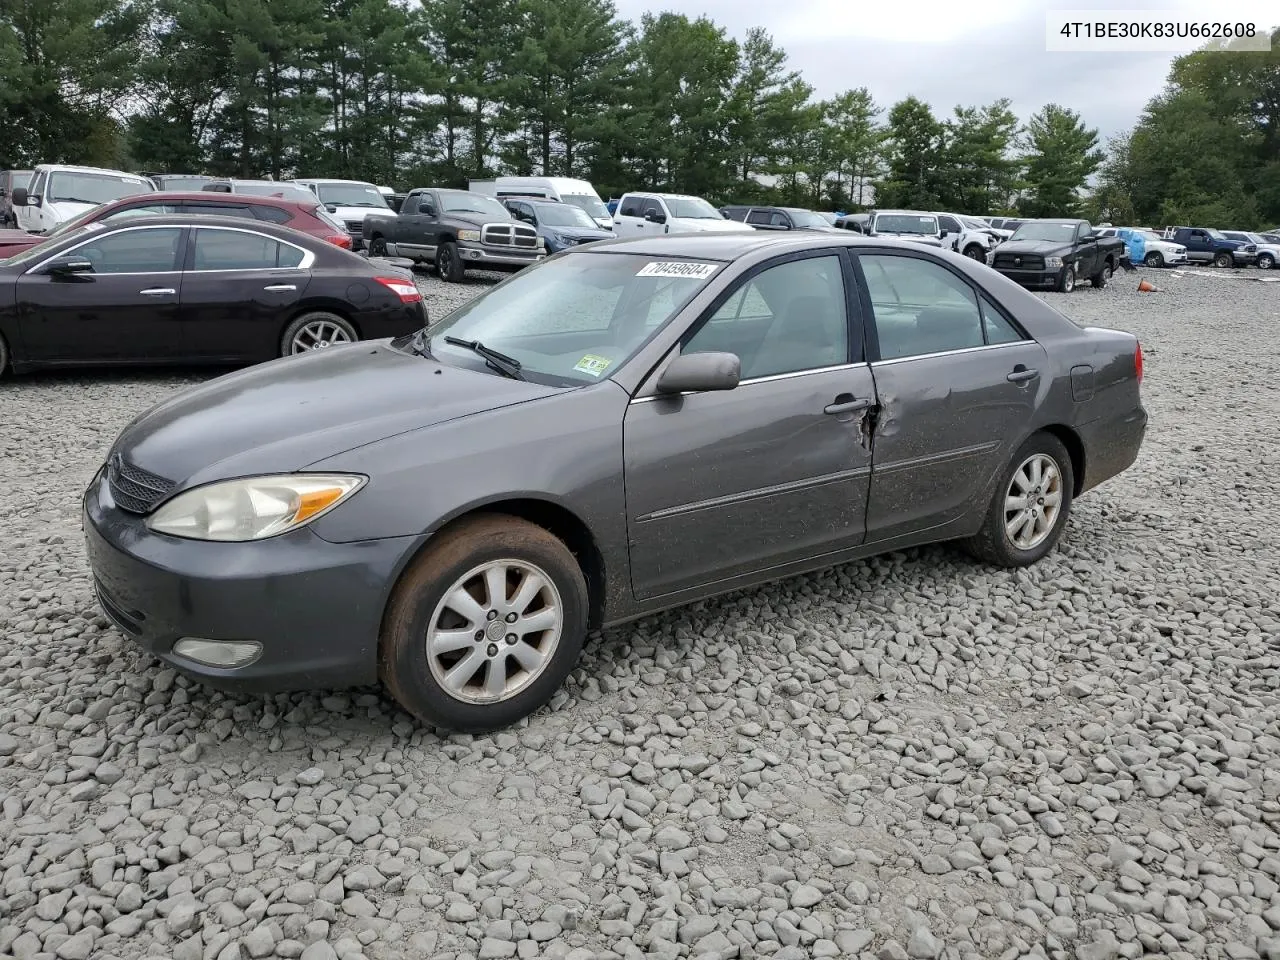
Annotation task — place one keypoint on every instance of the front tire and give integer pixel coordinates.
(1154, 259)
(448, 263)
(1266, 261)
(1224, 260)
(975, 252)
(1030, 507)
(317, 330)
(1067, 279)
(484, 626)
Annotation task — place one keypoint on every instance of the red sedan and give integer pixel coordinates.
(307, 216)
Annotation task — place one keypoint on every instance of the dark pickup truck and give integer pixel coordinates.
(1206, 245)
(454, 230)
(1057, 254)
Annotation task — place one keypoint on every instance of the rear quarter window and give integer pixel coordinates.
(271, 214)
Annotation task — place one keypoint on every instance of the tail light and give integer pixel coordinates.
(1137, 362)
(339, 240)
(404, 289)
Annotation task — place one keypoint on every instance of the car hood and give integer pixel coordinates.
(913, 237)
(281, 416)
(15, 240)
(579, 233)
(66, 210)
(357, 213)
(1042, 247)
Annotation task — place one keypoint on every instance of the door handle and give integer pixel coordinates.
(158, 292)
(1021, 374)
(847, 403)
(280, 287)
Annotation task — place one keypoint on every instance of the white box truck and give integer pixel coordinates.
(565, 189)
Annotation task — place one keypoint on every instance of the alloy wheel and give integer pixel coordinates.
(1033, 502)
(318, 335)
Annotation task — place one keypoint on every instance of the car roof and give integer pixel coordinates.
(728, 247)
(77, 168)
(207, 196)
(278, 230)
(362, 183)
(914, 213)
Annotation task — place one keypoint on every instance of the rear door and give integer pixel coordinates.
(124, 309)
(958, 384)
(240, 289)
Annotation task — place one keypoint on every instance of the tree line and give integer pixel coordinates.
(409, 93)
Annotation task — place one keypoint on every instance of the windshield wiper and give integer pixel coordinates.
(419, 344)
(72, 200)
(508, 366)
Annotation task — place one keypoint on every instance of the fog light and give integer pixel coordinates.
(218, 653)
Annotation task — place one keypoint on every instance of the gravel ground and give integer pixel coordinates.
(911, 757)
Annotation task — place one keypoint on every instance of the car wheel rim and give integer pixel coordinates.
(377, 249)
(1106, 273)
(1033, 502)
(445, 262)
(494, 632)
(318, 335)
(1070, 283)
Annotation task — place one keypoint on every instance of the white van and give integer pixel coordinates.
(646, 213)
(350, 201)
(565, 189)
(61, 192)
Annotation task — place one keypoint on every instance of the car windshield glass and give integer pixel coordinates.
(1216, 234)
(21, 178)
(183, 183)
(905, 223)
(71, 187)
(973, 224)
(829, 218)
(591, 206)
(351, 195)
(463, 201)
(41, 249)
(1056, 232)
(573, 320)
(563, 215)
(806, 218)
(693, 208)
(1148, 235)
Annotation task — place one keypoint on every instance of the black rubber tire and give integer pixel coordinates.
(1066, 280)
(377, 247)
(4, 356)
(1224, 260)
(974, 251)
(992, 543)
(402, 662)
(286, 340)
(1154, 259)
(1100, 279)
(448, 263)
(1266, 261)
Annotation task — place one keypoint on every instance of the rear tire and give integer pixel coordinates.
(1154, 259)
(444, 635)
(316, 330)
(1224, 260)
(1020, 527)
(1100, 279)
(378, 247)
(448, 263)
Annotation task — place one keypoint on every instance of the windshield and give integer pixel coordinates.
(564, 215)
(183, 183)
(41, 249)
(464, 201)
(1216, 234)
(829, 218)
(573, 320)
(693, 208)
(973, 223)
(590, 205)
(1057, 232)
(285, 191)
(351, 195)
(806, 218)
(69, 187)
(1149, 235)
(906, 223)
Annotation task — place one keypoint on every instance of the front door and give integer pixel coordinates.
(726, 484)
(123, 309)
(412, 226)
(239, 291)
(958, 384)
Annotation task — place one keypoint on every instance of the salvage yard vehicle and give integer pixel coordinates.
(1206, 245)
(778, 218)
(913, 225)
(192, 289)
(180, 182)
(1266, 252)
(577, 193)
(453, 229)
(1057, 254)
(59, 193)
(10, 180)
(1147, 247)
(660, 213)
(638, 425)
(350, 201)
(967, 235)
(560, 225)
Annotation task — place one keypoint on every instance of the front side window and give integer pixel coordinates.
(241, 250)
(920, 307)
(785, 319)
(66, 186)
(692, 208)
(464, 201)
(950, 224)
(631, 207)
(574, 320)
(131, 251)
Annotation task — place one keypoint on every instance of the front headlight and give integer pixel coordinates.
(1053, 263)
(253, 508)
(471, 236)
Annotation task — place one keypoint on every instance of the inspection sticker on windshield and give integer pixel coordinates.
(592, 365)
(692, 271)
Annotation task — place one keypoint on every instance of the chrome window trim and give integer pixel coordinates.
(308, 257)
(107, 232)
(952, 353)
(767, 379)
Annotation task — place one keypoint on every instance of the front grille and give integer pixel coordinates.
(509, 235)
(355, 226)
(1007, 260)
(134, 489)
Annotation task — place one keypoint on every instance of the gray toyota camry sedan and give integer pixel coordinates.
(626, 427)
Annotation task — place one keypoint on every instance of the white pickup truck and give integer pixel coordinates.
(59, 193)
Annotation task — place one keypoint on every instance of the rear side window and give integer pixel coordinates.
(920, 307)
(631, 207)
(239, 250)
(995, 328)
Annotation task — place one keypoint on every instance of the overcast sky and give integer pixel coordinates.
(950, 52)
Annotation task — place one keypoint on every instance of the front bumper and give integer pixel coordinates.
(482, 255)
(316, 607)
(1032, 278)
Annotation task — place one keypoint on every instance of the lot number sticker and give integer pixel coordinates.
(692, 271)
(592, 365)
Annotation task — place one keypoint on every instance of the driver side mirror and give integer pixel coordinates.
(695, 372)
(331, 207)
(73, 266)
(655, 216)
(23, 199)
(1088, 238)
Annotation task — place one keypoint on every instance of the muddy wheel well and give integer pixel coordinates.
(1075, 447)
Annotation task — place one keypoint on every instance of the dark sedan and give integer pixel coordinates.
(626, 427)
(192, 289)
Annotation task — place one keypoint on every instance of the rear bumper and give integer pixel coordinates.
(1111, 445)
